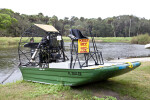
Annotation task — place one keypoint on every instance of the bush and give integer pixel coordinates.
(141, 39)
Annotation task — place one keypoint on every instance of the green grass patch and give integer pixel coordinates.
(22, 90)
(106, 39)
(113, 39)
(15, 40)
(135, 83)
(141, 39)
(10, 42)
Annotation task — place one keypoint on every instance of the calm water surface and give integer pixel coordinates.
(9, 57)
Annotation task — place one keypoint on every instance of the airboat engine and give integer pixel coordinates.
(49, 49)
(41, 45)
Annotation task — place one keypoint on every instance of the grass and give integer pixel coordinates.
(107, 39)
(22, 90)
(141, 39)
(8, 42)
(113, 39)
(15, 40)
(130, 86)
(135, 83)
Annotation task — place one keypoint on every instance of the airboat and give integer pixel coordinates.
(147, 46)
(44, 58)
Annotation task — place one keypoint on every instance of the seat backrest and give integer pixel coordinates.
(76, 34)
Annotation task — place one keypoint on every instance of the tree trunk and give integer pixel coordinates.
(138, 30)
(130, 29)
(113, 29)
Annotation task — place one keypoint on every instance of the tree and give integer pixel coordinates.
(53, 20)
(73, 20)
(13, 24)
(130, 25)
(67, 27)
(82, 19)
(110, 21)
(6, 21)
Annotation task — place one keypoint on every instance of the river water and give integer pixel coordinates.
(9, 57)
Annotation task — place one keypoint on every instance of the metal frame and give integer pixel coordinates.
(96, 56)
(48, 49)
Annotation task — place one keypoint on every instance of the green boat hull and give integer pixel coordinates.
(75, 77)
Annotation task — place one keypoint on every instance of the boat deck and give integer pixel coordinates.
(66, 65)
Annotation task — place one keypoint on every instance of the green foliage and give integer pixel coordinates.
(102, 29)
(6, 21)
(118, 26)
(6, 11)
(141, 39)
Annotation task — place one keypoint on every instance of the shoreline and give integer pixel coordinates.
(141, 59)
(15, 40)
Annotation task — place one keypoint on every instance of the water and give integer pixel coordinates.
(122, 50)
(9, 57)
(9, 64)
(119, 50)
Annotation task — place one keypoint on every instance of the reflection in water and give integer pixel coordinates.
(8, 63)
(9, 56)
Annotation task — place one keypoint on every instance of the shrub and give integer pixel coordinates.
(141, 39)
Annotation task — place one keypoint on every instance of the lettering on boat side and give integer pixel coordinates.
(75, 73)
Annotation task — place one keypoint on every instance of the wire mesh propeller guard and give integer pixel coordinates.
(38, 48)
